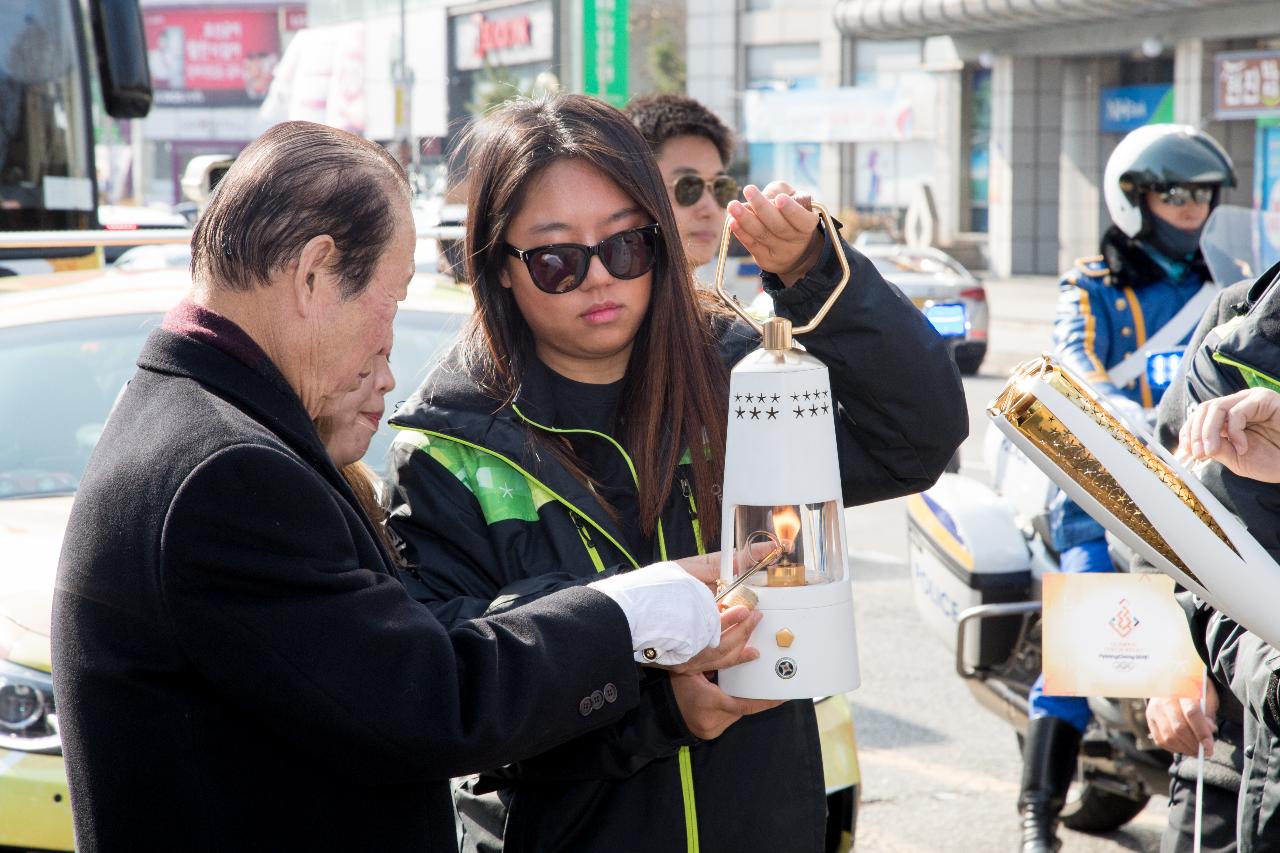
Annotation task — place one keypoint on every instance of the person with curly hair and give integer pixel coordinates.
(693, 148)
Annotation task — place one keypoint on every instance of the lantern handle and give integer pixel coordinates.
(832, 234)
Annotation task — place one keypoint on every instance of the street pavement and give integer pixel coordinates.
(939, 772)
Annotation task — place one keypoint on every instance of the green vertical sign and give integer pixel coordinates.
(605, 50)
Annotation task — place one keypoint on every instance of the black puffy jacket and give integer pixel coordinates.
(1243, 352)
(497, 522)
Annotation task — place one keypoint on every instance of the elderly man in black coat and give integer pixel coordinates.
(237, 666)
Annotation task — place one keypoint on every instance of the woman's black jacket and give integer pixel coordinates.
(493, 520)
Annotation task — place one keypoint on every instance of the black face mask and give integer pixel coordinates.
(1177, 244)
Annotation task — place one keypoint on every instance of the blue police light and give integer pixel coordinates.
(1162, 367)
(949, 319)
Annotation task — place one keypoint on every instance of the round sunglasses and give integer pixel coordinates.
(1180, 194)
(562, 267)
(687, 189)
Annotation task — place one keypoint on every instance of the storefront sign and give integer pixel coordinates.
(1248, 84)
(210, 57)
(516, 35)
(844, 114)
(1126, 108)
(605, 49)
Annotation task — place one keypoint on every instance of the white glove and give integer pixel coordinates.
(672, 614)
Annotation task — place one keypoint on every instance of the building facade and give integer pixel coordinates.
(1066, 82)
(984, 128)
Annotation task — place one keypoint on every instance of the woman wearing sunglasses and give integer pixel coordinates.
(692, 147)
(578, 430)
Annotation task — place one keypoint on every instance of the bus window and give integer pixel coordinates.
(46, 180)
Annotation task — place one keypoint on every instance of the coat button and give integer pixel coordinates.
(1126, 332)
(584, 707)
(597, 700)
(610, 693)
(1121, 304)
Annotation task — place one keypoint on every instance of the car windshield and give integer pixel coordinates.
(60, 381)
(62, 378)
(145, 258)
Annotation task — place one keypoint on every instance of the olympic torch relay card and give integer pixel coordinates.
(1119, 635)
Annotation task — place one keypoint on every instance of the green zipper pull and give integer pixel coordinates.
(585, 535)
(687, 490)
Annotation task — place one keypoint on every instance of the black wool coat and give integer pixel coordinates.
(236, 665)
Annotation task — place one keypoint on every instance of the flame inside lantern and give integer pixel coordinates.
(788, 571)
(786, 522)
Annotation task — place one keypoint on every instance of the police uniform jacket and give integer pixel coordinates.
(1108, 307)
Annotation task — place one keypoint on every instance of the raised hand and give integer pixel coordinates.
(779, 230)
(1241, 431)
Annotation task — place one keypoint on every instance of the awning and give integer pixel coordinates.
(886, 19)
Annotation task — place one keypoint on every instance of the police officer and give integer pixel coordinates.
(1123, 318)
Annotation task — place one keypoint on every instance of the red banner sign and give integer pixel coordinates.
(201, 58)
(1248, 84)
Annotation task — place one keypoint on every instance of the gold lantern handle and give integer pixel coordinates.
(777, 331)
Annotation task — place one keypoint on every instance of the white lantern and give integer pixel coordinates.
(782, 487)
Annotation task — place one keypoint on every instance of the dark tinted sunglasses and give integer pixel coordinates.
(1180, 194)
(562, 267)
(687, 189)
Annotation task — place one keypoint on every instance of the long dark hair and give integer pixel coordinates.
(675, 389)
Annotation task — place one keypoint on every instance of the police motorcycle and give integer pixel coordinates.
(978, 551)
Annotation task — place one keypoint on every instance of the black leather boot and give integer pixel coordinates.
(1048, 766)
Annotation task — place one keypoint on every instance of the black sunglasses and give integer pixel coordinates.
(562, 267)
(687, 189)
(1180, 194)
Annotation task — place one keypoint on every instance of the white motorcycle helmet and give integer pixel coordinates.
(1156, 156)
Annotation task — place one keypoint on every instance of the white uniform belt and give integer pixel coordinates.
(1169, 336)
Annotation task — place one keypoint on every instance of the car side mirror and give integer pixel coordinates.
(203, 174)
(121, 43)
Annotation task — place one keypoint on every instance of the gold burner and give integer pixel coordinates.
(786, 574)
(1034, 420)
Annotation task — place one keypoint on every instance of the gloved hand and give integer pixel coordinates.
(672, 614)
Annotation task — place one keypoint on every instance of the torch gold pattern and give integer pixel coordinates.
(1052, 437)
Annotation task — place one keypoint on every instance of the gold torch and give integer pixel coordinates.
(1139, 492)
